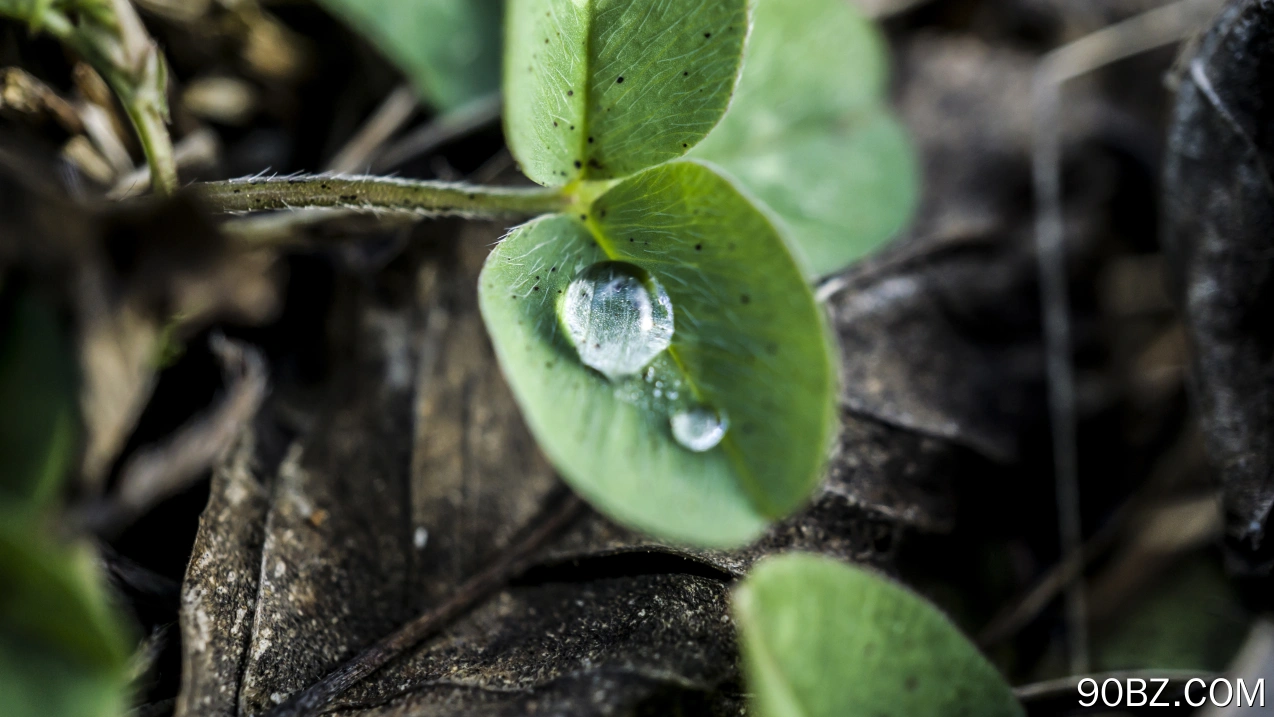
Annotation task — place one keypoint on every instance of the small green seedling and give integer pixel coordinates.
(655, 321)
(656, 324)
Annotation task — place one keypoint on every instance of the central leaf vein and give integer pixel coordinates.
(729, 445)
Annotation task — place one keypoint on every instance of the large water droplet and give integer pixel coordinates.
(618, 317)
(699, 428)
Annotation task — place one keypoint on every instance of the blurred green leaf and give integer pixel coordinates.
(603, 89)
(809, 131)
(749, 341)
(38, 424)
(825, 639)
(63, 650)
(1192, 619)
(449, 49)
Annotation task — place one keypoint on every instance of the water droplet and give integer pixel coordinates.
(699, 428)
(618, 317)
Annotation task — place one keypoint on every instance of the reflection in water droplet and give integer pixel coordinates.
(618, 317)
(699, 428)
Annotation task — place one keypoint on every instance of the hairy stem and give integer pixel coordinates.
(380, 194)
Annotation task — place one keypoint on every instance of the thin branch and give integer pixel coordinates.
(381, 194)
(1054, 298)
(1143, 32)
(392, 114)
(314, 700)
(158, 472)
(440, 130)
(1013, 617)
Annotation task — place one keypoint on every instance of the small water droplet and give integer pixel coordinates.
(618, 317)
(699, 428)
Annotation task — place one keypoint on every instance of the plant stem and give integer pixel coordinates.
(152, 133)
(380, 194)
(111, 38)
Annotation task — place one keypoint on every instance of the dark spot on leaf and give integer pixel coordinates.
(570, 93)
(578, 164)
(698, 247)
(744, 298)
(583, 218)
(590, 140)
(555, 124)
(553, 270)
(707, 35)
(619, 81)
(572, 128)
(535, 288)
(686, 73)
(594, 164)
(684, 145)
(237, 191)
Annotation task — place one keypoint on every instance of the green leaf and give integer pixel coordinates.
(810, 134)
(599, 89)
(749, 340)
(38, 424)
(63, 650)
(825, 639)
(1192, 619)
(449, 49)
